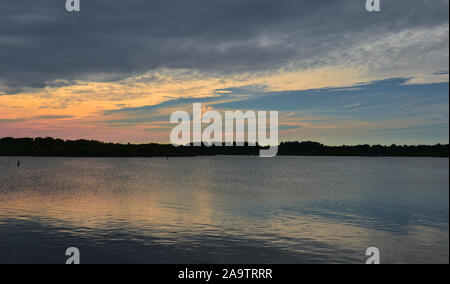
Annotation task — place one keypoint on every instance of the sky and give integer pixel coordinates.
(116, 70)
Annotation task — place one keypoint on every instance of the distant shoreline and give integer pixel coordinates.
(50, 147)
(198, 156)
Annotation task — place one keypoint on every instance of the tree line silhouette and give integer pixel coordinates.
(89, 148)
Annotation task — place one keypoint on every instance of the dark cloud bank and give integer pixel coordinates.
(111, 39)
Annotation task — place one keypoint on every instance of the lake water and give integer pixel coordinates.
(224, 209)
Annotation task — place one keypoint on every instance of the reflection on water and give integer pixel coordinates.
(224, 210)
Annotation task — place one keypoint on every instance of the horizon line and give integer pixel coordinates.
(190, 144)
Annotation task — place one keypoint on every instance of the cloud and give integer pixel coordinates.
(53, 117)
(42, 45)
(438, 73)
(38, 117)
(387, 111)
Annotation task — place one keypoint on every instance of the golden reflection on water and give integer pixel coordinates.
(157, 215)
(136, 202)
